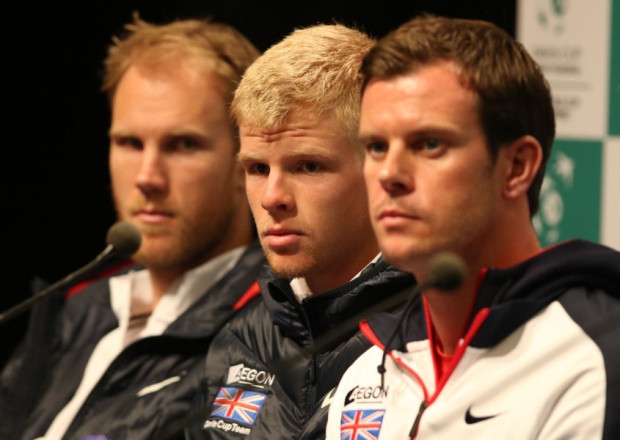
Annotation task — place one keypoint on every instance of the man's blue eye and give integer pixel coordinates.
(432, 144)
(311, 167)
(376, 147)
(260, 168)
(187, 143)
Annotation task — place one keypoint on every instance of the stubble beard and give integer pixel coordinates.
(185, 245)
(296, 265)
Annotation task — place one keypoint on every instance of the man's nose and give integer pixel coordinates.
(277, 194)
(152, 175)
(396, 171)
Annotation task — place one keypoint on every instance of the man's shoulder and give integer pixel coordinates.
(252, 330)
(595, 310)
(95, 291)
(234, 293)
(246, 272)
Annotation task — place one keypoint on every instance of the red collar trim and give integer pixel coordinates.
(252, 292)
(81, 286)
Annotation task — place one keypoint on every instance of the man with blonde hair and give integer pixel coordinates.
(297, 108)
(123, 357)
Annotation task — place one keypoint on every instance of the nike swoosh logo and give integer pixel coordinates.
(158, 386)
(471, 419)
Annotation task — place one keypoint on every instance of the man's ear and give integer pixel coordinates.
(522, 158)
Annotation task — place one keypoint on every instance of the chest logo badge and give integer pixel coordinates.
(470, 419)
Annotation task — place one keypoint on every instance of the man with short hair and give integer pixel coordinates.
(125, 358)
(457, 122)
(297, 108)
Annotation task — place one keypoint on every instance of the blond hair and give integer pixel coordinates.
(313, 69)
(216, 47)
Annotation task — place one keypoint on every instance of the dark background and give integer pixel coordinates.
(56, 203)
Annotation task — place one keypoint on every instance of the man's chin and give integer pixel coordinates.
(403, 258)
(154, 230)
(155, 247)
(289, 266)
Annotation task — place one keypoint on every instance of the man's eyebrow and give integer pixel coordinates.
(119, 132)
(428, 131)
(362, 137)
(187, 131)
(293, 155)
(244, 156)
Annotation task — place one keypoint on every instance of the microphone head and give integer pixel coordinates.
(447, 271)
(125, 239)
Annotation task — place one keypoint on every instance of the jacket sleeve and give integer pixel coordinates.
(23, 378)
(592, 402)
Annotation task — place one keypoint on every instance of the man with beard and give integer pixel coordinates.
(121, 360)
(297, 108)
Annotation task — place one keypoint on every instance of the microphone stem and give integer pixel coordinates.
(343, 329)
(66, 281)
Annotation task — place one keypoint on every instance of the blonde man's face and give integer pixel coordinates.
(307, 194)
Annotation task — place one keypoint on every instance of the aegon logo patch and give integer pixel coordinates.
(366, 394)
(242, 374)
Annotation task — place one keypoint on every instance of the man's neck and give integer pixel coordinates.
(162, 278)
(330, 278)
(450, 311)
(162, 281)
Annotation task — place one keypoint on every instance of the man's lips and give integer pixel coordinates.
(395, 217)
(152, 215)
(276, 237)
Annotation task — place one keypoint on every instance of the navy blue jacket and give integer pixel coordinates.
(46, 370)
(270, 370)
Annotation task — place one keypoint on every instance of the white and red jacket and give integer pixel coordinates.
(540, 358)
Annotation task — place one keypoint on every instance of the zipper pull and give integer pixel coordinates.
(312, 372)
(416, 423)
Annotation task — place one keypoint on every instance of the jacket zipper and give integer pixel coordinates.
(84, 409)
(427, 401)
(125, 355)
(416, 423)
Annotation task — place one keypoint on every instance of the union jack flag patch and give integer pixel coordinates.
(238, 405)
(361, 424)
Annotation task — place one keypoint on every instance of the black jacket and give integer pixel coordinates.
(257, 384)
(45, 372)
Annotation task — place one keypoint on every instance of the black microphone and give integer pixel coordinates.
(447, 272)
(123, 240)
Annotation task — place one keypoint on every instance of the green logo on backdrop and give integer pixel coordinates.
(550, 14)
(570, 198)
(559, 6)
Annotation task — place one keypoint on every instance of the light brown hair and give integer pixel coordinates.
(514, 98)
(216, 47)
